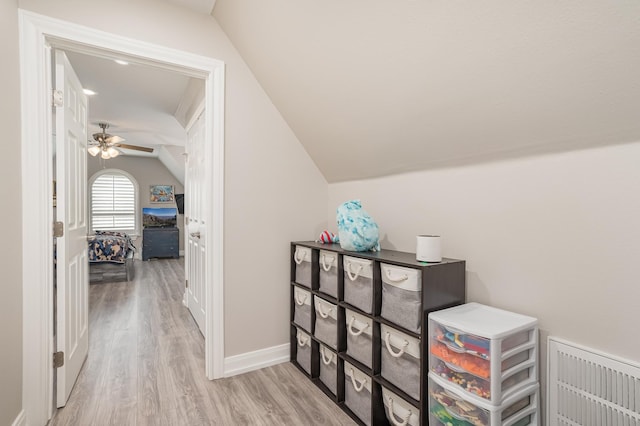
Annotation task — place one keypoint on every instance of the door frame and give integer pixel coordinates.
(38, 34)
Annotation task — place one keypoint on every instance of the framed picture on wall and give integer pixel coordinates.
(161, 194)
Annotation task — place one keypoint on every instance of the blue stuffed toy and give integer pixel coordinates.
(357, 230)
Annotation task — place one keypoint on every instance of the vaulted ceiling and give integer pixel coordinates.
(373, 88)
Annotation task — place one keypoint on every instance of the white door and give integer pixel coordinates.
(72, 295)
(195, 225)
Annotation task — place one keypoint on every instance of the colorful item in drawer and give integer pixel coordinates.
(356, 229)
(456, 409)
(465, 343)
(474, 365)
(327, 238)
(465, 381)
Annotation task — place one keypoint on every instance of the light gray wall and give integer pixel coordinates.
(146, 171)
(555, 237)
(274, 193)
(11, 249)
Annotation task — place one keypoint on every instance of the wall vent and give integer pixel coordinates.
(591, 388)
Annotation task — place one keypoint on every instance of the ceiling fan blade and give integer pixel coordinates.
(114, 139)
(134, 147)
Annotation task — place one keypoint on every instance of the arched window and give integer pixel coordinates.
(114, 201)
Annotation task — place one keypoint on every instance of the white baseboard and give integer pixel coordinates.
(181, 253)
(21, 420)
(256, 360)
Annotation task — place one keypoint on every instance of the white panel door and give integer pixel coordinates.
(196, 226)
(72, 295)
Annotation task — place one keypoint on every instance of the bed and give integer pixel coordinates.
(110, 256)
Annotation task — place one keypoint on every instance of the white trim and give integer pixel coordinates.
(250, 361)
(21, 420)
(37, 32)
(181, 253)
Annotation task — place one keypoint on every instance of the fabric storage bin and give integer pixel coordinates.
(402, 296)
(357, 392)
(485, 351)
(329, 273)
(449, 406)
(399, 412)
(359, 337)
(400, 360)
(329, 368)
(302, 257)
(326, 322)
(302, 308)
(358, 283)
(303, 351)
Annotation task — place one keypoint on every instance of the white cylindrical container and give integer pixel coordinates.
(428, 248)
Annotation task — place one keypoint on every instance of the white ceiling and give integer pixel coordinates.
(373, 88)
(138, 102)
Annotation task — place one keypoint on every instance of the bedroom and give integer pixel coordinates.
(534, 225)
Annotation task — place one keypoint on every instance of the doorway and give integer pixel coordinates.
(39, 34)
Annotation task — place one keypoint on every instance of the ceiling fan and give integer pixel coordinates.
(106, 145)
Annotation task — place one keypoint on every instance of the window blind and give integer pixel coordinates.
(113, 203)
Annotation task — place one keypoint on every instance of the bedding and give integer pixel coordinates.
(109, 246)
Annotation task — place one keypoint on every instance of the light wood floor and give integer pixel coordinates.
(146, 367)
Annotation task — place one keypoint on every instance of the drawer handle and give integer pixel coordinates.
(299, 260)
(357, 387)
(350, 273)
(390, 349)
(325, 360)
(323, 314)
(396, 280)
(356, 333)
(302, 340)
(195, 234)
(301, 302)
(393, 415)
(324, 265)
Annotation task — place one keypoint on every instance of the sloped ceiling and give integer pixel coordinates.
(373, 88)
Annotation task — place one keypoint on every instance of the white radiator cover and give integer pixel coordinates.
(591, 388)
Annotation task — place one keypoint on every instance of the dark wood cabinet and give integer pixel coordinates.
(160, 242)
(442, 285)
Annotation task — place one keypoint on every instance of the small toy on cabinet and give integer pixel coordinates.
(356, 229)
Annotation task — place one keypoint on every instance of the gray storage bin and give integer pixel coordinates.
(329, 368)
(400, 360)
(359, 337)
(402, 296)
(357, 392)
(398, 411)
(326, 322)
(302, 257)
(302, 308)
(358, 283)
(329, 273)
(303, 352)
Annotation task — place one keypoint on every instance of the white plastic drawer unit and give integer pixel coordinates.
(484, 351)
(400, 360)
(359, 337)
(402, 296)
(302, 308)
(303, 350)
(302, 259)
(357, 392)
(399, 412)
(329, 368)
(329, 273)
(326, 322)
(449, 406)
(358, 283)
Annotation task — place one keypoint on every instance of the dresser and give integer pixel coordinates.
(160, 242)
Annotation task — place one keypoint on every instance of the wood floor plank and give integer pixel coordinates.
(146, 366)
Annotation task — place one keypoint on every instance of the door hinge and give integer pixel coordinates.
(58, 359)
(58, 98)
(58, 229)
(186, 283)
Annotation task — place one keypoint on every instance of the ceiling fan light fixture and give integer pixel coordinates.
(113, 153)
(105, 155)
(94, 150)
